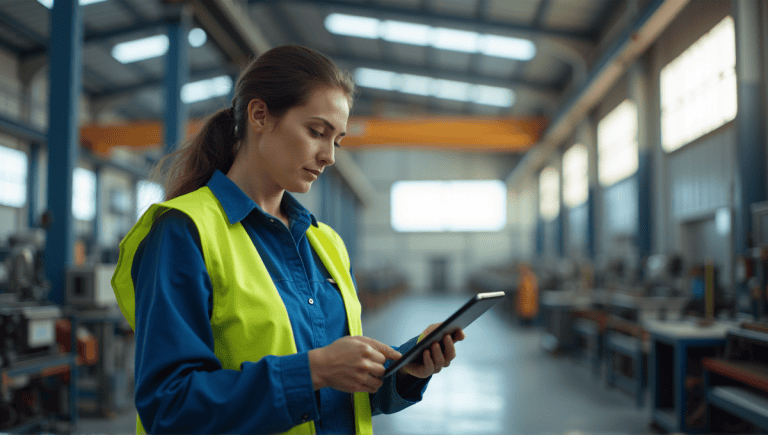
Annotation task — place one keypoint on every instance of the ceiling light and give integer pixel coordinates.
(141, 49)
(49, 3)
(451, 90)
(197, 37)
(405, 33)
(423, 35)
(351, 25)
(502, 46)
(456, 40)
(427, 86)
(374, 78)
(206, 89)
(418, 85)
(492, 96)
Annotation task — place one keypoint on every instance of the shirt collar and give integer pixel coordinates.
(237, 205)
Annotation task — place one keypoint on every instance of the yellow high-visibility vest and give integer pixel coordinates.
(249, 319)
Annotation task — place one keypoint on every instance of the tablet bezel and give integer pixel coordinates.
(490, 298)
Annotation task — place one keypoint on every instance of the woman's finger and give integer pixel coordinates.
(450, 350)
(437, 357)
(429, 365)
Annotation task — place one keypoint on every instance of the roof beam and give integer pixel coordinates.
(441, 19)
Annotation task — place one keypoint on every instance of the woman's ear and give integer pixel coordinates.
(257, 114)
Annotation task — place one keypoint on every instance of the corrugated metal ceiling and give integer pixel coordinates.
(538, 83)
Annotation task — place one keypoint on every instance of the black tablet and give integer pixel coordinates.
(459, 320)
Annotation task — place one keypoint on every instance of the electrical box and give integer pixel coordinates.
(91, 286)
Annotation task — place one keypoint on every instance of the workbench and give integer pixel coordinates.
(677, 349)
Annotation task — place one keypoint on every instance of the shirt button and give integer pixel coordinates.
(311, 301)
(305, 417)
(272, 220)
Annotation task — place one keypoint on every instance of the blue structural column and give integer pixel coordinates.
(65, 51)
(750, 132)
(638, 77)
(33, 177)
(562, 220)
(98, 220)
(176, 75)
(588, 137)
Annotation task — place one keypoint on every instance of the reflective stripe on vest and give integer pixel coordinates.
(248, 309)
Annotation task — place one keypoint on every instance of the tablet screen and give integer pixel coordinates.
(465, 315)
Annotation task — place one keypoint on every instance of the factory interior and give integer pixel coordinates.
(601, 162)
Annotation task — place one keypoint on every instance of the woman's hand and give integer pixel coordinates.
(350, 364)
(434, 358)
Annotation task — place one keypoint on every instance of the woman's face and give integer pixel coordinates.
(292, 152)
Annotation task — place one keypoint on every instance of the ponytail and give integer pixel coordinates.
(192, 165)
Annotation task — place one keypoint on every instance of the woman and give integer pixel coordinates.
(244, 306)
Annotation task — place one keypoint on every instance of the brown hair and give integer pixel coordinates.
(282, 77)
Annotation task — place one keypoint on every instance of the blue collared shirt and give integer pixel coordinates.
(180, 384)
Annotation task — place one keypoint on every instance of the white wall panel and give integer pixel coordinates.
(701, 175)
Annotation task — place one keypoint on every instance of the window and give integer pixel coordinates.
(13, 177)
(83, 194)
(472, 205)
(575, 176)
(617, 144)
(148, 193)
(549, 193)
(698, 88)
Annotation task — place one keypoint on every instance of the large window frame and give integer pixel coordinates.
(449, 206)
(698, 88)
(617, 148)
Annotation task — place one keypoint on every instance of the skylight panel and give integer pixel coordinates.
(154, 46)
(511, 48)
(456, 40)
(418, 85)
(350, 25)
(492, 96)
(49, 3)
(206, 89)
(451, 90)
(405, 33)
(374, 78)
(427, 86)
(424, 35)
(141, 49)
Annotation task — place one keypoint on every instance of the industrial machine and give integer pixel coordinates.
(91, 286)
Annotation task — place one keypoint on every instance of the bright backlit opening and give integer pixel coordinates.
(617, 144)
(206, 89)
(437, 37)
(698, 88)
(13, 177)
(83, 194)
(434, 206)
(575, 176)
(549, 193)
(148, 193)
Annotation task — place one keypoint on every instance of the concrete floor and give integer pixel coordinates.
(502, 382)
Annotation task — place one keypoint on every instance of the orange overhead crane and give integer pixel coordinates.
(508, 134)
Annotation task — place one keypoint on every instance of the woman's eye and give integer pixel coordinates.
(315, 132)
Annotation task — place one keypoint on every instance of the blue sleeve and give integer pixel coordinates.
(393, 396)
(181, 386)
